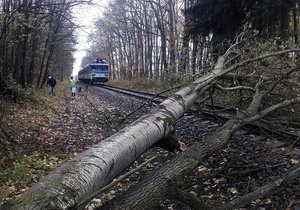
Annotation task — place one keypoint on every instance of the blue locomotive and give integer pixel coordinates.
(94, 72)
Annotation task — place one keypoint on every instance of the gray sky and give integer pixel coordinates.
(85, 16)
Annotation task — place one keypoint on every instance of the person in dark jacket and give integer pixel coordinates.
(51, 82)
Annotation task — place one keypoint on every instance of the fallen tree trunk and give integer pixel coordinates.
(92, 170)
(95, 168)
(154, 190)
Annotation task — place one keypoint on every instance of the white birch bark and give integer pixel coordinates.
(99, 165)
(96, 167)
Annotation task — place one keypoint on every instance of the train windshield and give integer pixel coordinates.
(99, 67)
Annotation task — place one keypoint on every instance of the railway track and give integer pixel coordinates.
(155, 98)
(250, 160)
(217, 113)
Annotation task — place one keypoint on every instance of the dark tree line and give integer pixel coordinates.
(225, 18)
(36, 40)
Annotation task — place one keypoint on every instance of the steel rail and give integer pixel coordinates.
(218, 113)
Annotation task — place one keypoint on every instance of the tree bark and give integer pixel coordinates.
(295, 23)
(172, 37)
(96, 167)
(154, 190)
(284, 22)
(194, 53)
(184, 54)
(160, 25)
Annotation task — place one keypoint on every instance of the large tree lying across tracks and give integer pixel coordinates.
(79, 178)
(154, 190)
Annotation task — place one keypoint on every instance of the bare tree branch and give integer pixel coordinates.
(235, 88)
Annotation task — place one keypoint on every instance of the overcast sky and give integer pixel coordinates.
(85, 16)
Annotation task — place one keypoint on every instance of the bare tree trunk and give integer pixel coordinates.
(194, 53)
(284, 22)
(184, 55)
(96, 167)
(44, 57)
(160, 25)
(295, 23)
(172, 37)
(24, 68)
(154, 190)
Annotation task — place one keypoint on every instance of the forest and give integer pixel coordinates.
(37, 39)
(141, 39)
(242, 54)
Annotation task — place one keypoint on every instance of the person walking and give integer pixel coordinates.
(51, 82)
(73, 86)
